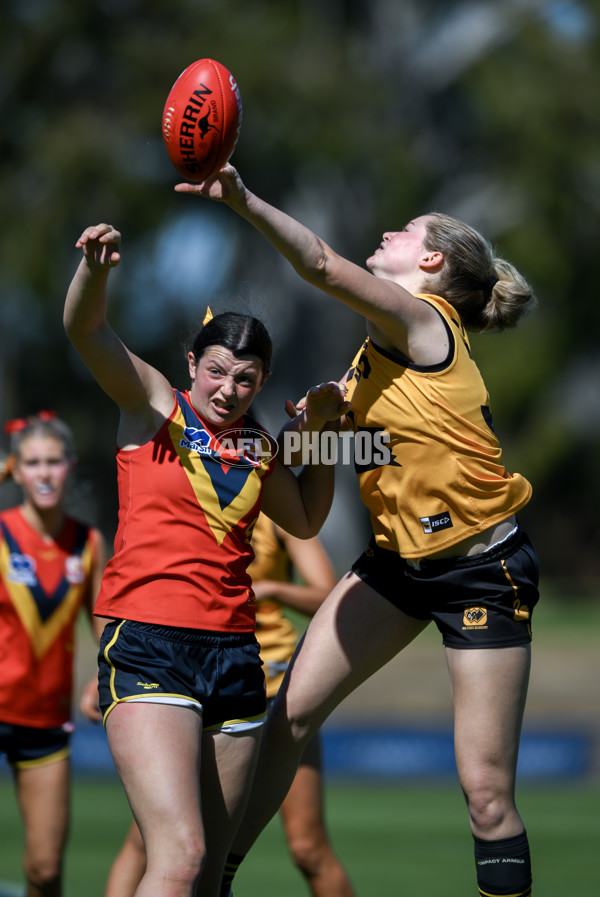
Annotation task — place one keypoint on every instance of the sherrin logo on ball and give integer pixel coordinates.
(202, 119)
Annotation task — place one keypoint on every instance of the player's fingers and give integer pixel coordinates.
(109, 256)
(290, 409)
(188, 188)
(105, 233)
(331, 387)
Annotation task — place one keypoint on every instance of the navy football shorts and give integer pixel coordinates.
(476, 601)
(217, 674)
(27, 746)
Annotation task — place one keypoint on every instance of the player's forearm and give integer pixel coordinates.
(305, 251)
(85, 305)
(302, 598)
(316, 482)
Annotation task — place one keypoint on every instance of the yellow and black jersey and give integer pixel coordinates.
(428, 461)
(276, 634)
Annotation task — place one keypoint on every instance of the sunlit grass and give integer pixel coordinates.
(393, 838)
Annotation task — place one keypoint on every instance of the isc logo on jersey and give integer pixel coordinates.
(436, 522)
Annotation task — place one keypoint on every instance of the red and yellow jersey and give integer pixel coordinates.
(187, 504)
(43, 584)
(276, 634)
(429, 464)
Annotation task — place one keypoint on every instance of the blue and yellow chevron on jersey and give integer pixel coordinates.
(43, 584)
(188, 500)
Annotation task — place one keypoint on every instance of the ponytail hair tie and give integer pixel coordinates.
(491, 283)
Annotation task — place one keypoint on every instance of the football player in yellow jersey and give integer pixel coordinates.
(446, 545)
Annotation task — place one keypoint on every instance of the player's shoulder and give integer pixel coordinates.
(249, 422)
(10, 517)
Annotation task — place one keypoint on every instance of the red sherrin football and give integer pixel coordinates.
(202, 119)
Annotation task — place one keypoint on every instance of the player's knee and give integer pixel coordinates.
(487, 809)
(190, 860)
(44, 874)
(300, 729)
(182, 860)
(288, 727)
(308, 854)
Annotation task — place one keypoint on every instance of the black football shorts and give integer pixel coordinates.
(218, 674)
(477, 601)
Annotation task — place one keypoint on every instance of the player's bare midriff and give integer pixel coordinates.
(479, 542)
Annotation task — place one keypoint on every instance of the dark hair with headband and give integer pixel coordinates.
(241, 334)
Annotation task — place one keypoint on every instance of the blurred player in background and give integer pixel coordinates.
(446, 544)
(50, 569)
(277, 555)
(302, 812)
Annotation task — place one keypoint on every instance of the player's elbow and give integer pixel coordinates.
(313, 266)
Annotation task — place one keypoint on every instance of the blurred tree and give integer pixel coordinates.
(358, 114)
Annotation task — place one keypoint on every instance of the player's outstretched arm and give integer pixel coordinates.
(303, 249)
(133, 384)
(385, 303)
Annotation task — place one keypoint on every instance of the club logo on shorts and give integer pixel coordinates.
(435, 522)
(475, 618)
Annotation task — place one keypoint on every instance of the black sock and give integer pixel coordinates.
(232, 864)
(503, 867)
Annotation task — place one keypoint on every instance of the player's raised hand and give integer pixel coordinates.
(101, 244)
(224, 186)
(326, 401)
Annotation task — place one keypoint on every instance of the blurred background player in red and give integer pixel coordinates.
(277, 556)
(50, 569)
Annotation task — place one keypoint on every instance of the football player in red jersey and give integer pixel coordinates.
(181, 686)
(277, 557)
(50, 569)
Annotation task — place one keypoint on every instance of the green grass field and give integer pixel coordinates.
(396, 838)
(393, 838)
